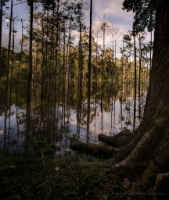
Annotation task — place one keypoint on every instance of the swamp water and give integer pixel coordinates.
(53, 121)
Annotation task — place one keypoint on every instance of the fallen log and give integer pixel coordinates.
(101, 150)
(117, 141)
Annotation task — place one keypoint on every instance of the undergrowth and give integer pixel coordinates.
(29, 177)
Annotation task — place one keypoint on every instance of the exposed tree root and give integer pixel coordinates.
(154, 138)
(101, 150)
(146, 177)
(139, 150)
(141, 162)
(119, 140)
(162, 186)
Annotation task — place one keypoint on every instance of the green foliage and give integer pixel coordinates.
(3, 61)
(145, 13)
(27, 177)
(73, 137)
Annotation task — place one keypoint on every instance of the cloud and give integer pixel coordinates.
(112, 9)
(114, 15)
(5, 39)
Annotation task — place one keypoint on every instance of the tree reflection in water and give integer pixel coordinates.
(45, 122)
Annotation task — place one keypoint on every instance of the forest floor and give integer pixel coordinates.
(26, 176)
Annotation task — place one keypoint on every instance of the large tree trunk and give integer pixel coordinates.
(155, 123)
(151, 143)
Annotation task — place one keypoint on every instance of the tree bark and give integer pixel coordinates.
(117, 141)
(151, 141)
(29, 85)
(101, 150)
(135, 81)
(9, 46)
(161, 186)
(89, 71)
(1, 14)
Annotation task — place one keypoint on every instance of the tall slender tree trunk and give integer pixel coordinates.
(89, 70)
(151, 40)
(122, 71)
(139, 80)
(80, 72)
(43, 62)
(9, 46)
(21, 52)
(135, 82)
(46, 51)
(104, 30)
(29, 85)
(151, 43)
(1, 15)
(64, 74)
(57, 57)
(13, 49)
(69, 65)
(97, 57)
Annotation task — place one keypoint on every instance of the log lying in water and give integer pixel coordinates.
(101, 150)
(118, 140)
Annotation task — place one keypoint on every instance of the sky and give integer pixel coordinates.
(112, 9)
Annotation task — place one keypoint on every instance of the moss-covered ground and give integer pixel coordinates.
(24, 176)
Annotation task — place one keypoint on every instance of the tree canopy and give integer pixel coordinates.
(145, 13)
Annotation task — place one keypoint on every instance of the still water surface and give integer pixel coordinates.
(56, 122)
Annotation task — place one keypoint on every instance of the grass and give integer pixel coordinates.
(41, 177)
